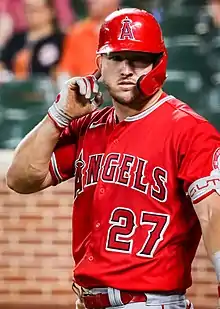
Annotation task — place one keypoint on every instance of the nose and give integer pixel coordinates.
(126, 68)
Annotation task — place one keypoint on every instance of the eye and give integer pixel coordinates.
(141, 62)
(115, 58)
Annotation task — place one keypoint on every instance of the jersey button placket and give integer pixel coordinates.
(102, 190)
(98, 224)
(90, 258)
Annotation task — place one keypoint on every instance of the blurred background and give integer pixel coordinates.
(42, 43)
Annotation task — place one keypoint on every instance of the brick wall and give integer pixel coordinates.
(35, 259)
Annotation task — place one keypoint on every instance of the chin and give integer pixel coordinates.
(124, 97)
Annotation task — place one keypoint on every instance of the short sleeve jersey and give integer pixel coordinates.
(134, 225)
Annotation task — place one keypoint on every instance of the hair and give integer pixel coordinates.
(50, 4)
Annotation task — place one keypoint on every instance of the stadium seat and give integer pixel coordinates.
(174, 25)
(22, 106)
(189, 88)
(214, 52)
(185, 86)
(183, 53)
(211, 104)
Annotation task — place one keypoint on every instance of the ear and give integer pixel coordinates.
(98, 61)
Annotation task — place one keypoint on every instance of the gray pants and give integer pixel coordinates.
(154, 301)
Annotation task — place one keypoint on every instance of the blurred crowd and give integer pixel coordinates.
(49, 37)
(56, 39)
(59, 38)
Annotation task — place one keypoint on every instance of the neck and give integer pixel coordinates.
(124, 111)
(36, 34)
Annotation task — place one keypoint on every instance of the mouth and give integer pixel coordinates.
(126, 83)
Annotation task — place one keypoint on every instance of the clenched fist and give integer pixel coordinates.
(79, 96)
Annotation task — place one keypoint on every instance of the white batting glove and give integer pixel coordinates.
(79, 304)
(79, 96)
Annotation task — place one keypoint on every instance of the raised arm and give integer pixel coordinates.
(29, 170)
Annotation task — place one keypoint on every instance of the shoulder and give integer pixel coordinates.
(182, 112)
(187, 124)
(17, 39)
(55, 38)
(185, 119)
(58, 36)
(19, 35)
(101, 116)
(80, 27)
(13, 45)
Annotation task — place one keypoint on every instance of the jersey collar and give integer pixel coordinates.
(149, 110)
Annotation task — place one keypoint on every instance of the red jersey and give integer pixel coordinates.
(134, 225)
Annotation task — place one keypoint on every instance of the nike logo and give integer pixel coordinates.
(95, 125)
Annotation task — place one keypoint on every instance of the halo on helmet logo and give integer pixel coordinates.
(126, 30)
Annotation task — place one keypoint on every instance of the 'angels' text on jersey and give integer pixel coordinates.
(121, 169)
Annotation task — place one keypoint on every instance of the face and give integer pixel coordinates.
(101, 8)
(38, 13)
(120, 72)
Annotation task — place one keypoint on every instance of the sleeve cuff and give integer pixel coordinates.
(54, 171)
(204, 187)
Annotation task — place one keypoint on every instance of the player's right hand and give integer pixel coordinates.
(79, 96)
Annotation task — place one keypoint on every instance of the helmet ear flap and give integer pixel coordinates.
(149, 83)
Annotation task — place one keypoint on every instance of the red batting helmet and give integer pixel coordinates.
(136, 30)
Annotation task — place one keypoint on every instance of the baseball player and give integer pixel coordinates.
(146, 173)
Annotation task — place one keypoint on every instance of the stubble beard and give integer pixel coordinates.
(134, 99)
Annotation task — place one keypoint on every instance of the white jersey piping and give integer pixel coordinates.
(149, 110)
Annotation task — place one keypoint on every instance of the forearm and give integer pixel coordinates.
(211, 236)
(30, 165)
(208, 212)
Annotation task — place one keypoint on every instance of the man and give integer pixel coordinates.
(36, 50)
(146, 173)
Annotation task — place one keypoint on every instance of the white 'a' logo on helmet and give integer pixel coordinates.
(126, 30)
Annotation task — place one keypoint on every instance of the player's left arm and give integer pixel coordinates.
(208, 212)
(199, 169)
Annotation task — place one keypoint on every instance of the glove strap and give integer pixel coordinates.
(59, 117)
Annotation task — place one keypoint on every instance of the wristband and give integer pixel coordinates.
(59, 117)
(216, 263)
(87, 87)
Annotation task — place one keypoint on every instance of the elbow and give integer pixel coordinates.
(15, 188)
(10, 180)
(12, 183)
(23, 181)
(16, 184)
